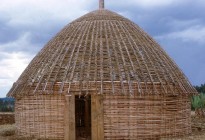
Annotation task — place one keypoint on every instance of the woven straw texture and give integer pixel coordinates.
(125, 117)
(147, 117)
(99, 49)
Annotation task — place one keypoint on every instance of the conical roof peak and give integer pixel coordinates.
(101, 14)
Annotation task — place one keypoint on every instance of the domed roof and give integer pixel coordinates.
(105, 52)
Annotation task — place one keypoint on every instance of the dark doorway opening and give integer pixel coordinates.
(83, 117)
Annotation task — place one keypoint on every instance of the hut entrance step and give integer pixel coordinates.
(83, 117)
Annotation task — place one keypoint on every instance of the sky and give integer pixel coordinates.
(27, 25)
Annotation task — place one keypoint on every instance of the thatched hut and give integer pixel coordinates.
(102, 77)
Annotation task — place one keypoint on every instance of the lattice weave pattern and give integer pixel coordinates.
(101, 47)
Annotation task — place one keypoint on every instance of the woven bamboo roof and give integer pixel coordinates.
(106, 52)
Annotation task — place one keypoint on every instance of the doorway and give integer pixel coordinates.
(83, 117)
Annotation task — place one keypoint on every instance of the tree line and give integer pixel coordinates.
(200, 89)
(6, 104)
(198, 101)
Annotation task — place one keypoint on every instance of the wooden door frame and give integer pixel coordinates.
(97, 119)
(69, 118)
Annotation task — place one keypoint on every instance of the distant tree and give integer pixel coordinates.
(9, 109)
(200, 89)
(1, 104)
(198, 104)
(198, 101)
(7, 105)
(4, 108)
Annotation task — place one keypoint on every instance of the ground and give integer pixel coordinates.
(198, 130)
(7, 132)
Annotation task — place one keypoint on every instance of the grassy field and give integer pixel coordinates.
(7, 132)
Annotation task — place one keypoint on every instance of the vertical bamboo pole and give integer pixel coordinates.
(69, 133)
(101, 4)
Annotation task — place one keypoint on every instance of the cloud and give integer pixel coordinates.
(13, 63)
(177, 24)
(23, 43)
(11, 66)
(194, 33)
(147, 4)
(14, 57)
(33, 12)
(155, 3)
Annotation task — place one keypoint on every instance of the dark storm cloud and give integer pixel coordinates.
(189, 56)
(7, 33)
(157, 20)
(37, 35)
(43, 33)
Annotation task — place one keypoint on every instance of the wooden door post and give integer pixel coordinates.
(87, 116)
(69, 133)
(97, 117)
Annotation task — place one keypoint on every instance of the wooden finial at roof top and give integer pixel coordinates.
(101, 4)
